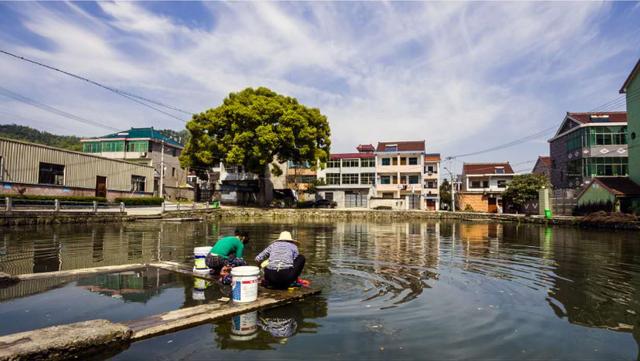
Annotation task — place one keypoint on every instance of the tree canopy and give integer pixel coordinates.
(28, 134)
(445, 194)
(524, 188)
(252, 128)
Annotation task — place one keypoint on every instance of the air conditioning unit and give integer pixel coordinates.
(143, 155)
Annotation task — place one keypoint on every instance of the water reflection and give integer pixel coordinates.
(541, 277)
(266, 329)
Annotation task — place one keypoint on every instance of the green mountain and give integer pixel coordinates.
(28, 134)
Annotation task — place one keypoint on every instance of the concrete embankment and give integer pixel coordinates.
(307, 215)
(72, 341)
(330, 215)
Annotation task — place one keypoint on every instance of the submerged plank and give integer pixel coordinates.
(75, 340)
(193, 316)
(81, 271)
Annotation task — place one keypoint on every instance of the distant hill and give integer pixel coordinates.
(28, 134)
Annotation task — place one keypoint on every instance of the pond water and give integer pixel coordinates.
(411, 290)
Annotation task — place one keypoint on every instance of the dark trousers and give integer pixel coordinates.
(283, 278)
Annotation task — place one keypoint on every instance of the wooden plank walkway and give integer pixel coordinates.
(54, 343)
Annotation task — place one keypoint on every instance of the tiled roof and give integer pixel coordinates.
(632, 75)
(545, 160)
(432, 157)
(486, 168)
(619, 186)
(136, 133)
(365, 148)
(337, 156)
(405, 146)
(585, 118)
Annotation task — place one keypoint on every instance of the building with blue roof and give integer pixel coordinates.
(146, 146)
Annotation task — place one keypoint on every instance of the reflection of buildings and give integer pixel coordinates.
(133, 286)
(594, 279)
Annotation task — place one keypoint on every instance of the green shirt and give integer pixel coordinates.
(227, 245)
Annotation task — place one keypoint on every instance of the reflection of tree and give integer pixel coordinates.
(300, 316)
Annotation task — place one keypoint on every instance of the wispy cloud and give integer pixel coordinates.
(460, 75)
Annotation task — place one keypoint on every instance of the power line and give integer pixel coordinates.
(133, 97)
(21, 98)
(506, 145)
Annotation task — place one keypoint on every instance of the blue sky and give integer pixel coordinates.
(463, 76)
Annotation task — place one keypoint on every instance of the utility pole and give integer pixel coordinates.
(162, 171)
(453, 188)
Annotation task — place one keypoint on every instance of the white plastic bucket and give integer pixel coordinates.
(200, 256)
(199, 285)
(244, 282)
(245, 324)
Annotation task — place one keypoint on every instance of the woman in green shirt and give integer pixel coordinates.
(227, 251)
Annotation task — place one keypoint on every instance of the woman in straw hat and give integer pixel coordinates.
(285, 262)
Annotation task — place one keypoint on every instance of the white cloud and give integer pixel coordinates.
(461, 75)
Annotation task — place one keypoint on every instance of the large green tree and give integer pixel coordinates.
(524, 188)
(254, 127)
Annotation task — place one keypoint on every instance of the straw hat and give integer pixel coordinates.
(286, 236)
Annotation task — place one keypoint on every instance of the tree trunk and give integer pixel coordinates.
(265, 192)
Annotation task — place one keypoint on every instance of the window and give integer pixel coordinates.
(367, 178)
(51, 174)
(385, 179)
(137, 183)
(369, 162)
(138, 146)
(414, 179)
(394, 179)
(386, 161)
(606, 166)
(174, 151)
(499, 170)
(91, 147)
(333, 164)
(476, 184)
(328, 196)
(350, 178)
(502, 184)
(350, 163)
(430, 169)
(607, 135)
(574, 140)
(333, 178)
(391, 148)
(485, 184)
(113, 146)
(387, 195)
(173, 172)
(301, 179)
(403, 161)
(394, 161)
(413, 161)
(431, 184)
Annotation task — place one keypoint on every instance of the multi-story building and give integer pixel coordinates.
(146, 146)
(35, 169)
(299, 177)
(631, 88)
(349, 178)
(588, 145)
(400, 172)
(482, 185)
(431, 181)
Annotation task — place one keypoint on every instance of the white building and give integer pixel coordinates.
(349, 178)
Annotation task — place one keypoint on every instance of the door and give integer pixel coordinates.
(101, 186)
(414, 201)
(493, 205)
